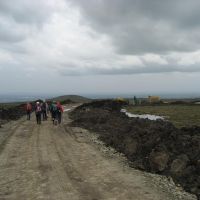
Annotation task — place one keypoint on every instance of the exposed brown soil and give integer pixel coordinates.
(153, 146)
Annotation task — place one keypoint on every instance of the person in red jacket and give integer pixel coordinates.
(59, 112)
(28, 108)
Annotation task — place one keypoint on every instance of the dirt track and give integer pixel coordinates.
(61, 163)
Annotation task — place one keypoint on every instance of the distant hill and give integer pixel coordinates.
(73, 98)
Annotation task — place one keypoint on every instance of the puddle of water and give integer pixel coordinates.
(144, 116)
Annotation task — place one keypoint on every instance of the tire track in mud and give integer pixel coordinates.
(73, 135)
(57, 182)
(85, 189)
(43, 165)
(13, 162)
(9, 133)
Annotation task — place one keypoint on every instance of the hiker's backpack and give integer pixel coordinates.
(28, 107)
(43, 106)
(54, 108)
(59, 108)
(38, 109)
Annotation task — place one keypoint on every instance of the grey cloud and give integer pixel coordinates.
(26, 11)
(136, 27)
(9, 36)
(128, 70)
(9, 32)
(20, 18)
(15, 48)
(143, 26)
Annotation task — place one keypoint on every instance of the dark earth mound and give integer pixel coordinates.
(8, 113)
(153, 146)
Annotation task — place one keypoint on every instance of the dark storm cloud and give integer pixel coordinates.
(146, 26)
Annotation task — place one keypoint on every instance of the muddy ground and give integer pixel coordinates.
(153, 146)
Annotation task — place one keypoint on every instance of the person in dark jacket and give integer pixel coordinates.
(54, 112)
(59, 112)
(44, 111)
(38, 111)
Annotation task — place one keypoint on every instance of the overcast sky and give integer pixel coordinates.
(99, 46)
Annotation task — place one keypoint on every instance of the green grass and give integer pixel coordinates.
(179, 115)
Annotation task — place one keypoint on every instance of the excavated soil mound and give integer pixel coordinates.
(104, 104)
(153, 146)
(11, 113)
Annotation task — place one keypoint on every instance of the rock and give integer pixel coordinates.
(130, 146)
(158, 161)
(178, 165)
(190, 174)
(138, 164)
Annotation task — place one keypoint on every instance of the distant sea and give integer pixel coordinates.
(21, 98)
(9, 98)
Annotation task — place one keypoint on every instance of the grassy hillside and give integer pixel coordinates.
(179, 115)
(73, 98)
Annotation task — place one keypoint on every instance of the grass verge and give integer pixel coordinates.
(179, 115)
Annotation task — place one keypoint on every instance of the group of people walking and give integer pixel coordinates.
(42, 109)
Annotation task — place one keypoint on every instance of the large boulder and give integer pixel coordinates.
(179, 164)
(158, 161)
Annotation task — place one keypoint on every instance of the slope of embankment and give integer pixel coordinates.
(11, 111)
(153, 146)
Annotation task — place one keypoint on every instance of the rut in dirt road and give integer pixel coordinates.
(61, 163)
